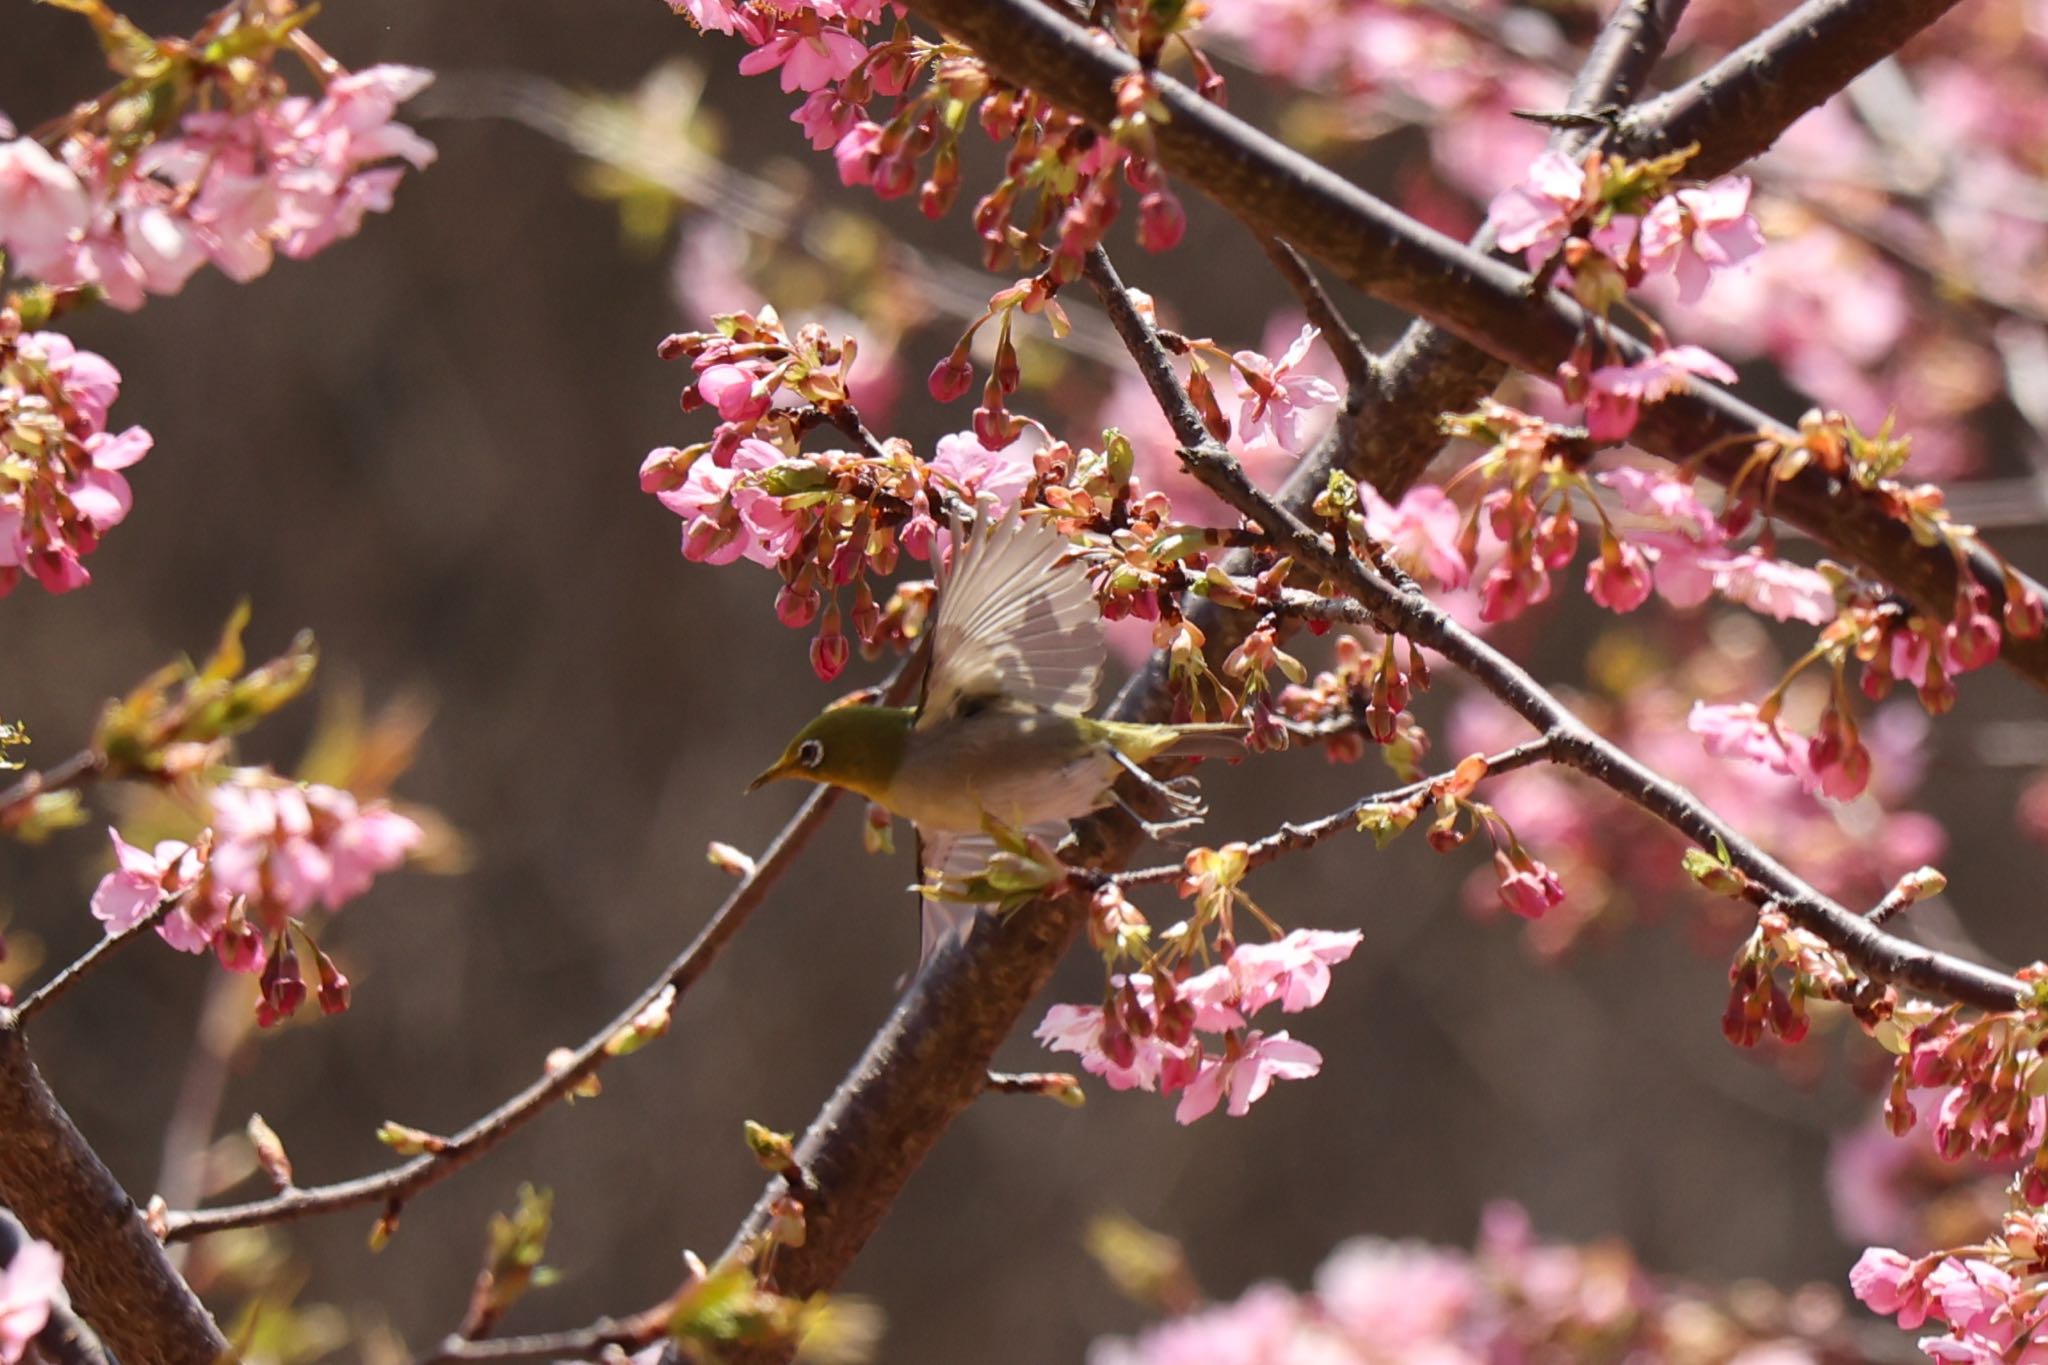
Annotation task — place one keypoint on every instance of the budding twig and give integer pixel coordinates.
(47, 993)
(392, 1187)
(1296, 838)
(1404, 610)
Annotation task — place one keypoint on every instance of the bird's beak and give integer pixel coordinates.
(780, 770)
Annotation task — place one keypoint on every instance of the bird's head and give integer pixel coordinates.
(856, 747)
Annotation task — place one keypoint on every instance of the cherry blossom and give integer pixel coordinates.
(1616, 393)
(1277, 394)
(1696, 232)
(63, 487)
(30, 1284)
(1534, 215)
(1244, 1073)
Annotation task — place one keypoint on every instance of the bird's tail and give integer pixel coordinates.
(1142, 743)
(1221, 740)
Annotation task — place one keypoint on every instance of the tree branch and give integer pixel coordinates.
(1737, 108)
(47, 993)
(399, 1183)
(1483, 301)
(116, 1270)
(1298, 838)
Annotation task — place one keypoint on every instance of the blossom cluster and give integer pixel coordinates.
(245, 885)
(61, 485)
(826, 520)
(1513, 1298)
(1867, 301)
(1620, 869)
(837, 55)
(1991, 1300)
(234, 184)
(1149, 1034)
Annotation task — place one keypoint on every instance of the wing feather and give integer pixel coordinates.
(946, 856)
(1013, 623)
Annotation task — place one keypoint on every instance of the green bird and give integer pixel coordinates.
(1001, 735)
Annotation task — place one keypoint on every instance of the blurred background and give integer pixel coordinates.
(422, 445)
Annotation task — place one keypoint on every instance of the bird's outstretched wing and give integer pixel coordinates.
(1013, 624)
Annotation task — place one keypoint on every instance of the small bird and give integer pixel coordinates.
(1000, 736)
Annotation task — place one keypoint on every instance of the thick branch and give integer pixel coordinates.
(1481, 300)
(116, 1271)
(1737, 108)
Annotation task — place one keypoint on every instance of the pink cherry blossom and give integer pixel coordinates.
(998, 475)
(1276, 395)
(31, 1283)
(826, 117)
(1245, 1074)
(141, 880)
(1889, 1283)
(64, 494)
(1737, 731)
(1616, 393)
(1774, 588)
(735, 391)
(1618, 578)
(858, 151)
(1293, 972)
(1696, 232)
(1527, 886)
(297, 844)
(713, 16)
(43, 206)
(1421, 532)
(1534, 215)
(811, 54)
(1106, 1049)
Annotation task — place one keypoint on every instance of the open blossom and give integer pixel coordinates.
(31, 1282)
(61, 487)
(1695, 232)
(811, 53)
(1277, 394)
(1293, 972)
(1245, 1073)
(1421, 532)
(140, 881)
(1616, 393)
(998, 475)
(1127, 1063)
(1534, 215)
(1738, 731)
(42, 204)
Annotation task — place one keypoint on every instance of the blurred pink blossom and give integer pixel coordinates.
(30, 1284)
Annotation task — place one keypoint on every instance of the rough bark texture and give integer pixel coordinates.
(115, 1269)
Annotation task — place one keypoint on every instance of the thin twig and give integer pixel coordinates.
(1297, 838)
(1369, 244)
(1405, 610)
(394, 1186)
(74, 771)
(1361, 370)
(48, 993)
(580, 1343)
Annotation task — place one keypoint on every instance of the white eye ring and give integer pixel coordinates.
(810, 753)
